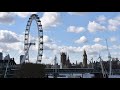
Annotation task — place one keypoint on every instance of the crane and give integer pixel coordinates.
(109, 58)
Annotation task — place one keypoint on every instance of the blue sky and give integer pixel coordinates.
(70, 32)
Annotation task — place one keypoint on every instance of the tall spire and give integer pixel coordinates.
(55, 60)
(76, 62)
(84, 59)
(68, 57)
(68, 60)
(84, 52)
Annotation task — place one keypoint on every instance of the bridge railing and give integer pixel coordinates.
(71, 70)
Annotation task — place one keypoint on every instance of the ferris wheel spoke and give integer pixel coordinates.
(27, 43)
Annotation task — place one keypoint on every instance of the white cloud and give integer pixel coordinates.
(117, 17)
(16, 46)
(101, 19)
(48, 43)
(68, 49)
(86, 47)
(4, 47)
(114, 23)
(75, 29)
(91, 49)
(98, 47)
(11, 47)
(82, 39)
(112, 28)
(93, 27)
(72, 49)
(115, 54)
(77, 13)
(8, 36)
(113, 39)
(10, 41)
(115, 47)
(50, 46)
(47, 60)
(23, 14)
(46, 39)
(97, 40)
(6, 18)
(93, 53)
(50, 19)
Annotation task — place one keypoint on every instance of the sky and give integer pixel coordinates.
(69, 32)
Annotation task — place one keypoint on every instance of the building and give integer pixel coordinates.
(68, 64)
(63, 59)
(7, 59)
(65, 62)
(1, 56)
(21, 57)
(84, 59)
(7, 64)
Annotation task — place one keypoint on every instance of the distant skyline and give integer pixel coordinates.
(71, 32)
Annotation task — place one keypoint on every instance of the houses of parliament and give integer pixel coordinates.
(65, 61)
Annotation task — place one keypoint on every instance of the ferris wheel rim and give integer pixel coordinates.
(40, 37)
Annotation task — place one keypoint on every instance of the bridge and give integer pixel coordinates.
(71, 70)
(10, 71)
(77, 70)
(50, 71)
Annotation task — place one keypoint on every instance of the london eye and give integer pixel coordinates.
(27, 42)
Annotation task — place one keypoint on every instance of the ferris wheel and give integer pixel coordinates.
(27, 43)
